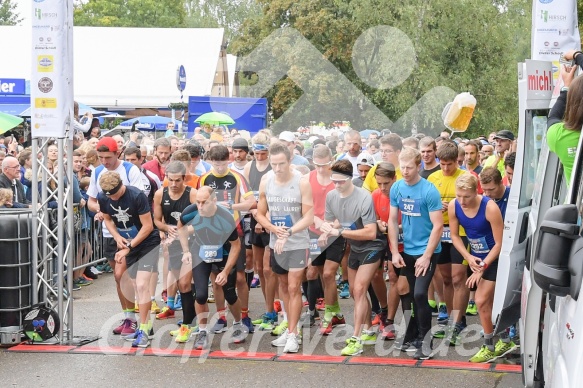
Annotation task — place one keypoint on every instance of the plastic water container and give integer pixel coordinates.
(15, 272)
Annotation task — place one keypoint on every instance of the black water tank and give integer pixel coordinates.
(15, 271)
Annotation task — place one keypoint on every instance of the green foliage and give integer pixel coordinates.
(130, 13)
(463, 45)
(8, 16)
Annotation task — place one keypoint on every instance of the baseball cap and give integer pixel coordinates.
(107, 142)
(240, 144)
(287, 136)
(504, 135)
(365, 159)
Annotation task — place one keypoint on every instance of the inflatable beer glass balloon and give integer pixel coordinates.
(457, 114)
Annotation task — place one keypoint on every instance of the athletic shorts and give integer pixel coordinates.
(296, 259)
(489, 274)
(332, 252)
(450, 255)
(356, 259)
(246, 226)
(144, 257)
(260, 240)
(239, 265)
(109, 248)
(175, 256)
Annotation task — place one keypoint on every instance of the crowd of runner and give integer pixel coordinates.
(414, 222)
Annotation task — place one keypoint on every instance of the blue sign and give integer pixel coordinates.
(181, 78)
(12, 86)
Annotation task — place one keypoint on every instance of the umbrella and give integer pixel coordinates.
(215, 118)
(7, 122)
(366, 133)
(119, 130)
(151, 123)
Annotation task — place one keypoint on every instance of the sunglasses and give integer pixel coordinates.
(260, 147)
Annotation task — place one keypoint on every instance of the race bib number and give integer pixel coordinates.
(284, 221)
(314, 247)
(400, 239)
(410, 207)
(479, 245)
(128, 233)
(446, 235)
(211, 253)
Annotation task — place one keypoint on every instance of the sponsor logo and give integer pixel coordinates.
(542, 1)
(45, 63)
(47, 103)
(45, 84)
(40, 15)
(549, 17)
(540, 82)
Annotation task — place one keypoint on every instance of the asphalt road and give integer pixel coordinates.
(97, 311)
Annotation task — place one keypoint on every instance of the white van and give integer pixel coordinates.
(541, 264)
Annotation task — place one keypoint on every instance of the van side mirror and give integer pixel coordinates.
(557, 232)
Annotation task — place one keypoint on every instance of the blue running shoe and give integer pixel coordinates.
(178, 302)
(255, 283)
(442, 316)
(142, 340)
(247, 322)
(512, 332)
(220, 326)
(345, 291)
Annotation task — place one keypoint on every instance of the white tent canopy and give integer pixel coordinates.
(126, 67)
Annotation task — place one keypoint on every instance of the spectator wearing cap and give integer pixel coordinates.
(289, 139)
(364, 163)
(240, 149)
(503, 139)
(10, 179)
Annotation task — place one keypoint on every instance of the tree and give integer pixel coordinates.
(130, 13)
(454, 45)
(8, 16)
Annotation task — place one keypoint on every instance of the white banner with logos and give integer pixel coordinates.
(554, 29)
(51, 81)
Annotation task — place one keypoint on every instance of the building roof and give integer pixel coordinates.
(126, 67)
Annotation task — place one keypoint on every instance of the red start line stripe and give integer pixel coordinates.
(255, 356)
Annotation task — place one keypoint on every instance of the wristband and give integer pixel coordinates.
(565, 89)
(290, 232)
(185, 252)
(484, 265)
(575, 54)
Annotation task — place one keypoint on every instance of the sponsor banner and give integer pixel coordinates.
(554, 31)
(539, 80)
(9, 86)
(51, 81)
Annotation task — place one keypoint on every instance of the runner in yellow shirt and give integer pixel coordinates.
(391, 146)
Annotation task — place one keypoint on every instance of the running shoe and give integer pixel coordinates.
(178, 302)
(277, 306)
(239, 334)
(483, 356)
(75, 286)
(512, 332)
(202, 341)
(388, 333)
(255, 283)
(220, 326)
(100, 267)
(183, 334)
(353, 348)
(368, 338)
(164, 295)
(292, 344)
(108, 268)
(422, 353)
(434, 311)
(132, 337)
(269, 322)
(89, 275)
(406, 346)
(503, 348)
(279, 329)
(344, 291)
(442, 316)
(309, 319)
(84, 282)
(142, 340)
(454, 339)
(320, 304)
(248, 324)
(166, 313)
(327, 326)
(128, 326)
(211, 297)
(280, 341)
(375, 319)
(472, 308)
(155, 308)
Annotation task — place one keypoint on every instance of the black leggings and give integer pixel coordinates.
(201, 274)
(419, 286)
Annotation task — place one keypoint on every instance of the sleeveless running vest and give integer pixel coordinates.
(478, 229)
(172, 209)
(285, 209)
